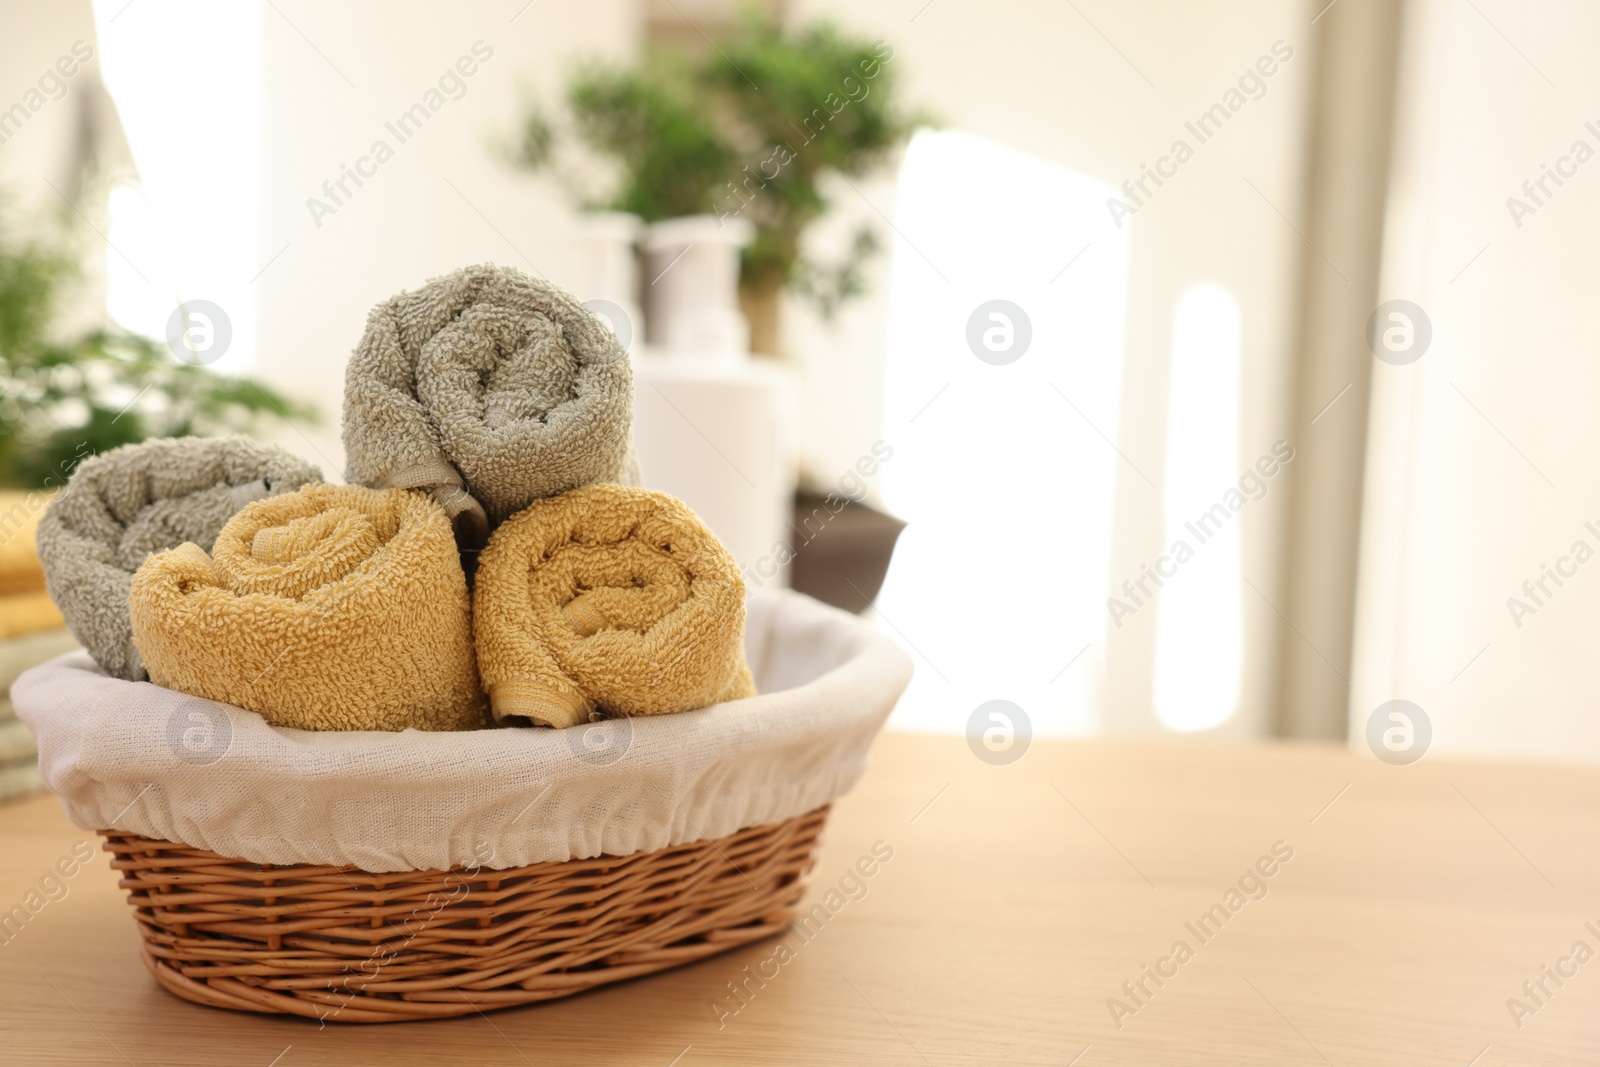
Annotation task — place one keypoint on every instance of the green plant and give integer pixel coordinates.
(65, 395)
(749, 129)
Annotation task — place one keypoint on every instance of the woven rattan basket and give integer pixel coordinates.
(253, 860)
(346, 945)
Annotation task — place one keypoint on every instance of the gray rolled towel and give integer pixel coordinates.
(491, 390)
(119, 507)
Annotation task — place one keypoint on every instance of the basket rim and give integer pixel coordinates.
(409, 801)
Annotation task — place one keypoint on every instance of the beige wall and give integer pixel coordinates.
(1100, 88)
(42, 152)
(1041, 79)
(1481, 467)
(444, 200)
(37, 35)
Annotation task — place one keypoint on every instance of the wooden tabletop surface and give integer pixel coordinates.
(1331, 910)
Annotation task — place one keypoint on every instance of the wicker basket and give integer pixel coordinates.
(346, 945)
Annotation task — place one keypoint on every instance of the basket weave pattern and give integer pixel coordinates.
(347, 945)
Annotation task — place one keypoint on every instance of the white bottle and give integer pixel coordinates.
(691, 287)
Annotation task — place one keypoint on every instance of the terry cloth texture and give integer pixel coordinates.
(608, 599)
(115, 753)
(489, 389)
(20, 569)
(118, 508)
(333, 608)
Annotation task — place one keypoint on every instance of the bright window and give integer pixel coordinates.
(1199, 628)
(1004, 472)
(186, 79)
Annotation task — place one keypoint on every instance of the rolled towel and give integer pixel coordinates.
(608, 600)
(17, 654)
(119, 507)
(333, 608)
(27, 613)
(19, 780)
(491, 390)
(16, 742)
(20, 569)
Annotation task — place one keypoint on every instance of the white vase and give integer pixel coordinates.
(691, 287)
(609, 271)
(724, 439)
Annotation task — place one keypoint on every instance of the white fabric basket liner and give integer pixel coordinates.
(135, 757)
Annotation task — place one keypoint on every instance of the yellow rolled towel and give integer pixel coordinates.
(25, 607)
(609, 600)
(330, 608)
(20, 569)
(28, 613)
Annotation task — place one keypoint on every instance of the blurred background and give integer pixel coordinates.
(1217, 371)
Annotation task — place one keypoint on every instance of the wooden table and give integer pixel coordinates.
(1018, 902)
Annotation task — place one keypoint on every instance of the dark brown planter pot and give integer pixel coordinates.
(841, 551)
